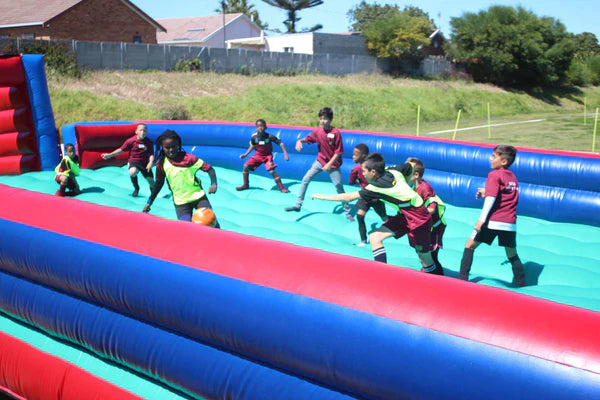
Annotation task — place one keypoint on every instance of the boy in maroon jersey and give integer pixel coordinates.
(434, 204)
(262, 142)
(140, 158)
(359, 154)
(499, 214)
(329, 158)
(412, 218)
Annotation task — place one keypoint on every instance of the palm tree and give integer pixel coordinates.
(240, 6)
(292, 7)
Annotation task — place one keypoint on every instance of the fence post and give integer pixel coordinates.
(584, 110)
(595, 129)
(489, 122)
(418, 118)
(456, 126)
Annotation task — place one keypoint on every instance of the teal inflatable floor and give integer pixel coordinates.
(562, 261)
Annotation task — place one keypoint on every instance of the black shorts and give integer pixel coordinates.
(142, 168)
(184, 211)
(487, 236)
(377, 205)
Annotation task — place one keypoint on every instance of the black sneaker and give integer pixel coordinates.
(135, 193)
(293, 208)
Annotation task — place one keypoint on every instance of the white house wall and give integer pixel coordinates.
(302, 43)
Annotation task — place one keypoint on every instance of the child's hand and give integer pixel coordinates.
(146, 208)
(242, 155)
(286, 157)
(316, 196)
(480, 193)
(105, 156)
(478, 225)
(149, 167)
(298, 145)
(212, 189)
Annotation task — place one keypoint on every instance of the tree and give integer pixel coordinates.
(393, 33)
(586, 45)
(241, 6)
(292, 7)
(512, 47)
(363, 14)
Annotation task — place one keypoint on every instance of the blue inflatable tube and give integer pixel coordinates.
(41, 109)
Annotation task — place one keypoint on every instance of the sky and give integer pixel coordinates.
(577, 15)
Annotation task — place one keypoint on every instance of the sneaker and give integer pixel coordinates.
(135, 193)
(350, 218)
(243, 187)
(361, 244)
(293, 208)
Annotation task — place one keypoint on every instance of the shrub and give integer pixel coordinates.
(174, 112)
(58, 58)
(188, 65)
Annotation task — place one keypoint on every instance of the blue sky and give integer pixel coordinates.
(577, 15)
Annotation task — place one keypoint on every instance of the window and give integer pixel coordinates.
(288, 49)
(137, 39)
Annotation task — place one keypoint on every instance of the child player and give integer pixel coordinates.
(498, 215)
(140, 158)
(434, 204)
(66, 171)
(180, 168)
(262, 142)
(329, 158)
(356, 176)
(412, 219)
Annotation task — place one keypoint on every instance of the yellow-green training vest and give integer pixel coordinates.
(183, 182)
(400, 191)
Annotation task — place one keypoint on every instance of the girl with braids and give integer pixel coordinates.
(179, 168)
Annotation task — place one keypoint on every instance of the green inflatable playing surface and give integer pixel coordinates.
(561, 260)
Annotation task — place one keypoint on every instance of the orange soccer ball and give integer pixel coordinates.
(204, 216)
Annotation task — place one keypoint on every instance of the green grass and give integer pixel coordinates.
(363, 102)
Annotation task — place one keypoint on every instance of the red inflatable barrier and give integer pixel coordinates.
(13, 97)
(15, 120)
(94, 140)
(12, 71)
(15, 143)
(19, 164)
(33, 374)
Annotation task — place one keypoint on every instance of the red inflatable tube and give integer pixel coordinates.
(15, 120)
(92, 141)
(19, 164)
(12, 71)
(540, 328)
(13, 97)
(15, 143)
(33, 374)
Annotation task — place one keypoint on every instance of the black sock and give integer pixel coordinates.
(362, 228)
(518, 270)
(380, 255)
(134, 180)
(465, 263)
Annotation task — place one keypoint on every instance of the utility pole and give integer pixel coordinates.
(224, 36)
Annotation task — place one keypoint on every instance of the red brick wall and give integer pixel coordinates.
(93, 20)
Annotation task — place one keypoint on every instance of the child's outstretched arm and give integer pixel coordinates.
(285, 153)
(112, 154)
(213, 180)
(247, 151)
(337, 197)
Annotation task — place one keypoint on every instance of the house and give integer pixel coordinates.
(210, 31)
(84, 20)
(436, 44)
(347, 43)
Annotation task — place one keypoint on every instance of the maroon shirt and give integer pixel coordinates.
(426, 191)
(330, 143)
(503, 185)
(139, 150)
(263, 144)
(356, 175)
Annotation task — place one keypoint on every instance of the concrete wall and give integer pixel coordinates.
(104, 20)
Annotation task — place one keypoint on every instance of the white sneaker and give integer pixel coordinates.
(360, 244)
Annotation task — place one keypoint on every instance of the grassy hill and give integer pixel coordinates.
(363, 102)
